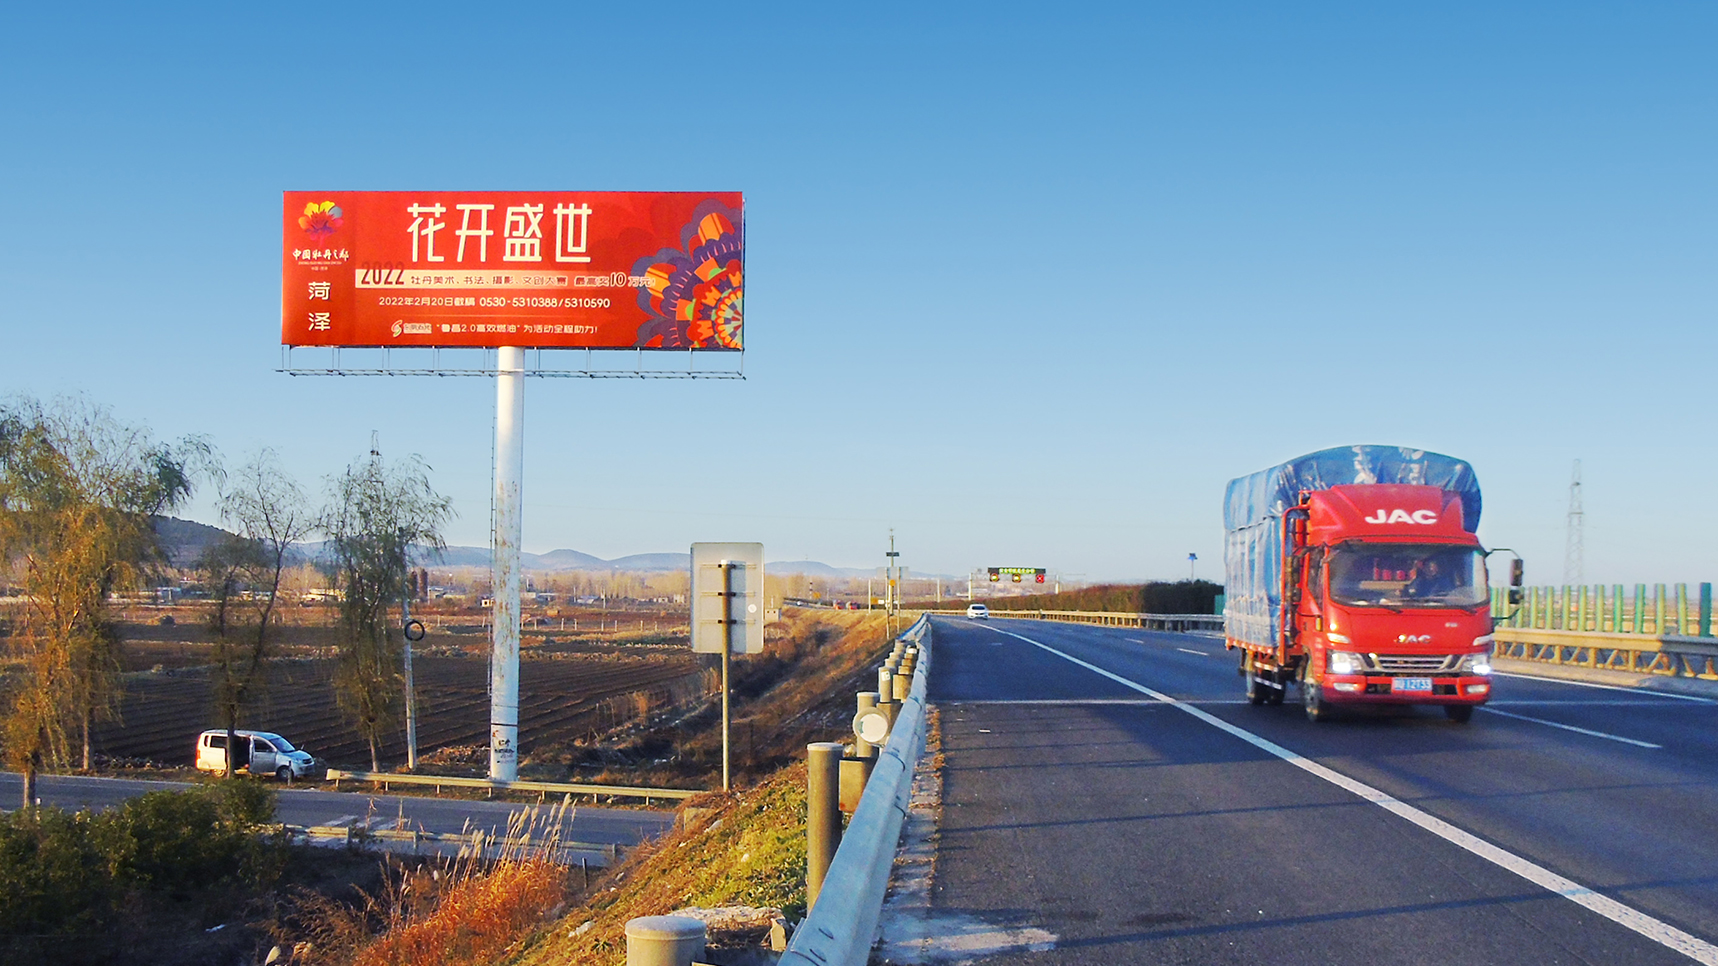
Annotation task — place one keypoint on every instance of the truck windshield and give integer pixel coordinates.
(1407, 575)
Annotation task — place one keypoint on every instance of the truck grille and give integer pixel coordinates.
(1414, 663)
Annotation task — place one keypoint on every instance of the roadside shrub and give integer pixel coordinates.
(55, 883)
(74, 886)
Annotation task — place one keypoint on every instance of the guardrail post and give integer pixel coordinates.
(855, 772)
(1705, 628)
(822, 813)
(663, 941)
(867, 701)
(885, 693)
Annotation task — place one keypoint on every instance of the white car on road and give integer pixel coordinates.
(259, 753)
(978, 612)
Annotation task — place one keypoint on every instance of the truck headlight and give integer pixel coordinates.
(1346, 662)
(1475, 664)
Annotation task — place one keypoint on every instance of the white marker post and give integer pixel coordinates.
(509, 530)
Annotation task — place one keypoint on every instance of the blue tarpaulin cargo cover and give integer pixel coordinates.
(1253, 513)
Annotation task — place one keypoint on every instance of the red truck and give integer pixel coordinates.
(1354, 575)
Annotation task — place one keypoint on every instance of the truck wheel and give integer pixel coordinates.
(1316, 708)
(284, 773)
(1459, 713)
(1274, 696)
(1257, 692)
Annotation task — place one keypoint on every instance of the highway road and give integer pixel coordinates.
(1113, 789)
(311, 807)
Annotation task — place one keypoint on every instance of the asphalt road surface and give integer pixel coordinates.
(310, 807)
(1112, 787)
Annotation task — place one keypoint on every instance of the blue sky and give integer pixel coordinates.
(1027, 283)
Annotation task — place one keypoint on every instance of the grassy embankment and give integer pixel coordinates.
(746, 847)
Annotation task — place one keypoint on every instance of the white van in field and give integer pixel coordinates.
(258, 752)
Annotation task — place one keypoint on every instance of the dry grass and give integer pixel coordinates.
(749, 849)
(470, 911)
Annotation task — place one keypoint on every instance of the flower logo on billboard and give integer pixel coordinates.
(696, 296)
(320, 219)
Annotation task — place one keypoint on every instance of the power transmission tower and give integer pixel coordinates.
(1574, 547)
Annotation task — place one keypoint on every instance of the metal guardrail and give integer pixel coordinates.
(337, 776)
(1670, 655)
(1668, 611)
(839, 929)
(1150, 622)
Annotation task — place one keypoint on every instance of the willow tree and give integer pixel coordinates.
(268, 513)
(378, 514)
(78, 490)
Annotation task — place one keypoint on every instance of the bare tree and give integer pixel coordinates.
(376, 516)
(78, 490)
(268, 513)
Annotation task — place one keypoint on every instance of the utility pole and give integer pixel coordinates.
(1192, 567)
(894, 571)
(1573, 545)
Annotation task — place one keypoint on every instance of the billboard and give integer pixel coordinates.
(1017, 573)
(539, 269)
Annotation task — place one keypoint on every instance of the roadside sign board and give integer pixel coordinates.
(539, 269)
(745, 581)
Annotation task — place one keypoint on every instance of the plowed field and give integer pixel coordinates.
(559, 700)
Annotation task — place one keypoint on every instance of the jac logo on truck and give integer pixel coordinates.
(1422, 517)
(1413, 638)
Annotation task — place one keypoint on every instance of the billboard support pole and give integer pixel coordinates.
(727, 567)
(509, 530)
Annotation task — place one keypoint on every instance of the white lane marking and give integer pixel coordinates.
(1136, 640)
(337, 822)
(1656, 930)
(1079, 702)
(1136, 702)
(1187, 650)
(1578, 703)
(1566, 727)
(1606, 687)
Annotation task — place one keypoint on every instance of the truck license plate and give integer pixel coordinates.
(1412, 684)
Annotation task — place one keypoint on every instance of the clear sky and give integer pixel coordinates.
(1028, 283)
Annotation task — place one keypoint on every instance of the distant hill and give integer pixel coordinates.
(184, 541)
(813, 568)
(563, 560)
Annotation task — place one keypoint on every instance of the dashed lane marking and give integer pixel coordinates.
(1188, 650)
(1629, 917)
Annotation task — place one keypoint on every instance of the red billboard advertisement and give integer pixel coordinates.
(539, 269)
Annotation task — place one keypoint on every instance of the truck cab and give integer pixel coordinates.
(1389, 601)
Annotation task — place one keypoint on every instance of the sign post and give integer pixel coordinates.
(727, 568)
(727, 615)
(504, 581)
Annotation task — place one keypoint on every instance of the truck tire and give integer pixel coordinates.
(1317, 711)
(1275, 695)
(1257, 691)
(1459, 713)
(284, 773)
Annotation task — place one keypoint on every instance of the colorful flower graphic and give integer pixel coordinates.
(320, 219)
(696, 296)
